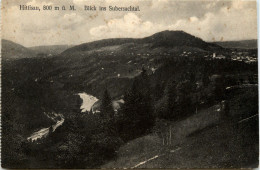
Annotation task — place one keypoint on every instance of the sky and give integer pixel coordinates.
(210, 20)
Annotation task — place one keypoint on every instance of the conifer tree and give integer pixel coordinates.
(171, 97)
(107, 115)
(106, 107)
(137, 113)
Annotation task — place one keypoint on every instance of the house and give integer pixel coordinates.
(220, 57)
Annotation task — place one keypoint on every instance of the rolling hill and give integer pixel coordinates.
(50, 50)
(245, 44)
(111, 63)
(168, 39)
(11, 50)
(115, 62)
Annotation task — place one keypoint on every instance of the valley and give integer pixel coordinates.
(130, 103)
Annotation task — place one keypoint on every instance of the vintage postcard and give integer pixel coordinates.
(129, 84)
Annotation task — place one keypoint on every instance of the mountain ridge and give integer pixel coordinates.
(12, 50)
(161, 39)
(245, 44)
(50, 49)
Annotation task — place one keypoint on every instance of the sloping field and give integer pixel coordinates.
(200, 141)
(147, 147)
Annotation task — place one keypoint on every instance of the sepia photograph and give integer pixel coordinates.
(129, 84)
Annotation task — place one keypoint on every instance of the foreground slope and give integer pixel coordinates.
(203, 140)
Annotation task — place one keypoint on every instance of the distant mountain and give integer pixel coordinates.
(178, 39)
(50, 50)
(114, 63)
(167, 39)
(11, 50)
(246, 44)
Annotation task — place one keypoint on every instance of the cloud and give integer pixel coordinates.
(31, 28)
(229, 23)
(72, 20)
(160, 4)
(129, 26)
(210, 20)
